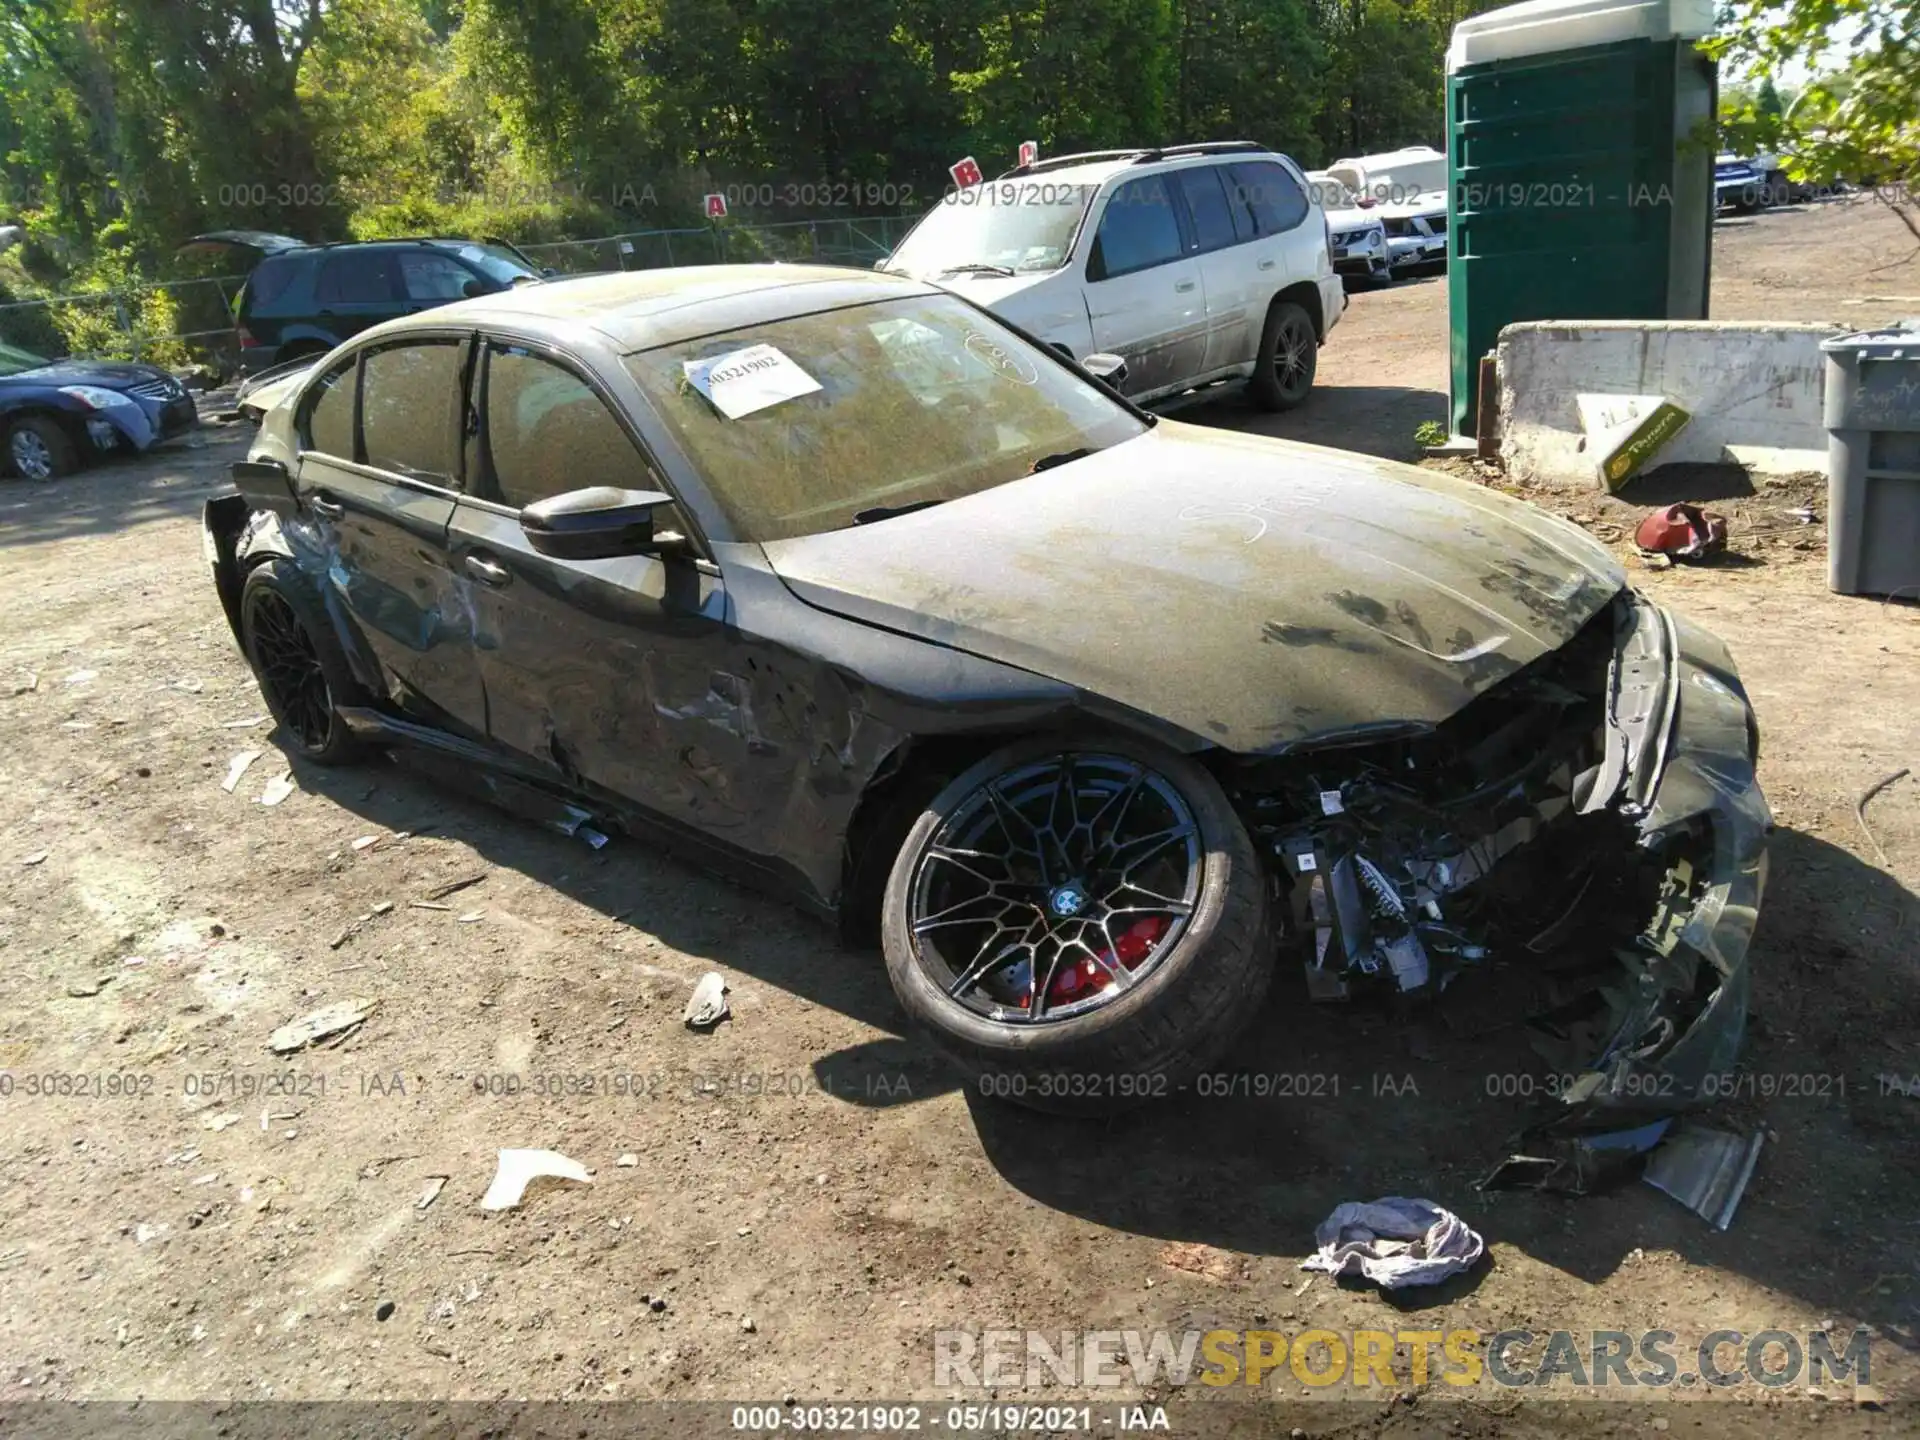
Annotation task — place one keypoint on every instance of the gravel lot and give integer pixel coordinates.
(810, 1195)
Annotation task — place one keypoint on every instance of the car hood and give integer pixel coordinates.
(1254, 593)
(986, 291)
(1433, 202)
(1352, 219)
(107, 374)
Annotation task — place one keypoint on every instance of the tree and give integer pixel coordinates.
(1859, 117)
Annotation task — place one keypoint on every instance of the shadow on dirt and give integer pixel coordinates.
(167, 483)
(1368, 419)
(1313, 1107)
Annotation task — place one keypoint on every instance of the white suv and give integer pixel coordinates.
(1408, 189)
(1196, 264)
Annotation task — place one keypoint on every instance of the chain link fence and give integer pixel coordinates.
(191, 321)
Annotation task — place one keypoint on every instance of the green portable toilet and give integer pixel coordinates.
(1579, 188)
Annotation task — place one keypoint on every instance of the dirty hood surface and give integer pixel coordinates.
(1255, 593)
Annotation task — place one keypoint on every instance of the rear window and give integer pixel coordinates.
(354, 277)
(268, 282)
(1213, 225)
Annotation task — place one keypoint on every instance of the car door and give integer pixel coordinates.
(1287, 250)
(587, 663)
(376, 474)
(1237, 267)
(354, 289)
(1144, 293)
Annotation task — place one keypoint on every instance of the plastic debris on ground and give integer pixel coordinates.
(1395, 1242)
(1577, 1164)
(323, 1024)
(277, 789)
(1681, 532)
(1706, 1170)
(237, 767)
(518, 1169)
(707, 1006)
(431, 1191)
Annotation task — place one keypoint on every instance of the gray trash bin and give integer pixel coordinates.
(1873, 461)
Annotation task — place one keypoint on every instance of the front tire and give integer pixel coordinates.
(1078, 925)
(40, 449)
(1289, 353)
(297, 661)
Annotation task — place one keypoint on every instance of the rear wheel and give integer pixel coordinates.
(1289, 353)
(1079, 926)
(302, 673)
(39, 449)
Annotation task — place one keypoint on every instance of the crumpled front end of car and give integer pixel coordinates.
(1593, 820)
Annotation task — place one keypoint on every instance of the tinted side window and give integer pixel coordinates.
(354, 278)
(547, 432)
(406, 408)
(327, 424)
(429, 275)
(1207, 204)
(1137, 229)
(1273, 197)
(269, 282)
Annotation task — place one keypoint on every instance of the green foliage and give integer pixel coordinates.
(1429, 433)
(127, 126)
(1856, 119)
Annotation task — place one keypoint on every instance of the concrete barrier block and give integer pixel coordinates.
(1754, 391)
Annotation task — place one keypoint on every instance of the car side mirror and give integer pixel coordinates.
(547, 272)
(1109, 368)
(599, 523)
(475, 287)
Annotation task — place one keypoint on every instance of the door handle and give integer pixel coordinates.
(1266, 264)
(487, 572)
(1184, 286)
(326, 507)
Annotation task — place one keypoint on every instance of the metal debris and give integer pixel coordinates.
(237, 767)
(520, 1168)
(1706, 1170)
(332, 1020)
(1860, 811)
(708, 1005)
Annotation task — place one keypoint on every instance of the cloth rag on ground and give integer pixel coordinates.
(1395, 1242)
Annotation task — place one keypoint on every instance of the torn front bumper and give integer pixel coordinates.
(1682, 736)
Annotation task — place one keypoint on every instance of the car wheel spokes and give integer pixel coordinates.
(1055, 887)
(290, 672)
(31, 457)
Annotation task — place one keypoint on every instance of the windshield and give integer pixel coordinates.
(1329, 193)
(496, 261)
(1403, 182)
(1019, 226)
(13, 360)
(852, 415)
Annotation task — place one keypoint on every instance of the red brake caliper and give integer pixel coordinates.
(1136, 942)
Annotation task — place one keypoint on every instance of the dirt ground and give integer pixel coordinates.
(793, 1205)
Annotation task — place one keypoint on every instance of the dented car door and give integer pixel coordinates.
(584, 661)
(375, 489)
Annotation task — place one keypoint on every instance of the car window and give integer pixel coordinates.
(269, 282)
(1137, 229)
(1213, 225)
(548, 433)
(353, 277)
(803, 425)
(407, 401)
(327, 421)
(1273, 197)
(429, 275)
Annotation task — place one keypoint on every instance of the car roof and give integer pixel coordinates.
(1097, 166)
(1388, 158)
(640, 309)
(441, 242)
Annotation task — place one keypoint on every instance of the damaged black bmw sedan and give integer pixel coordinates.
(834, 582)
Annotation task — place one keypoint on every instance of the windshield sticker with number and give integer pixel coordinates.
(743, 381)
